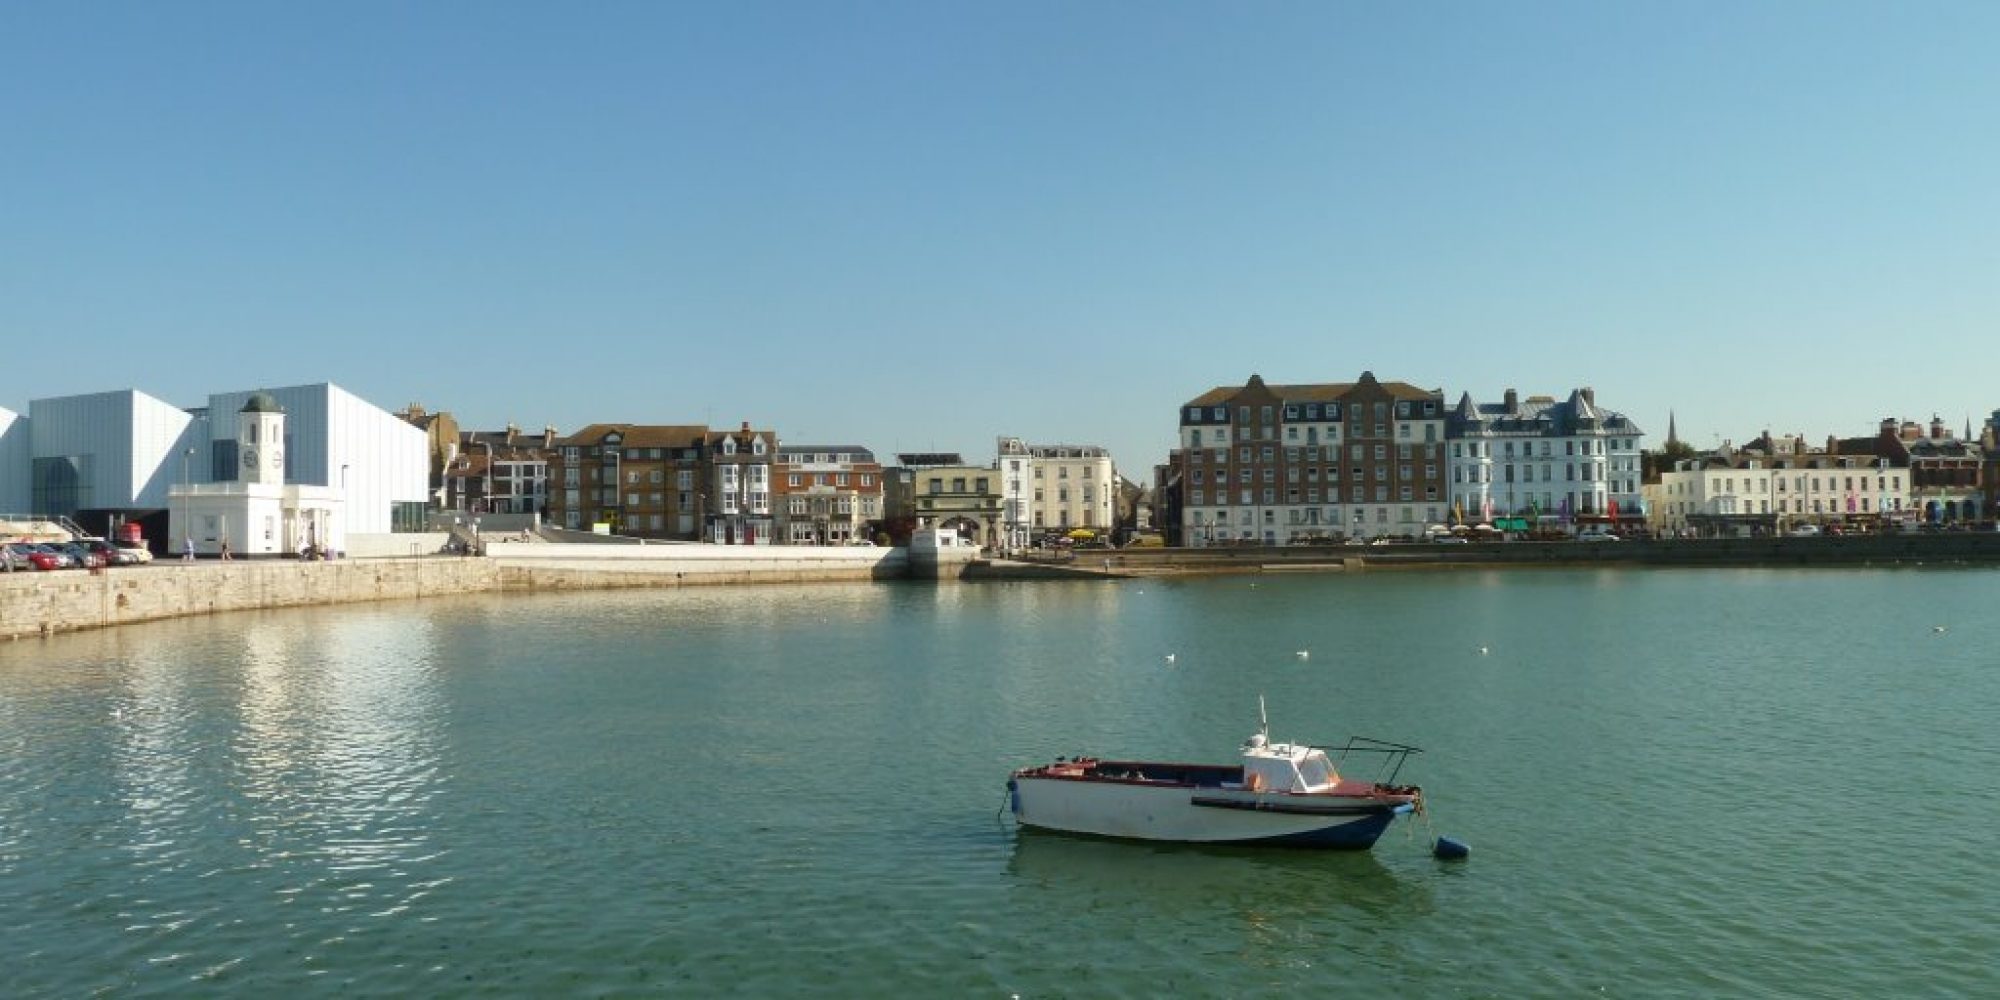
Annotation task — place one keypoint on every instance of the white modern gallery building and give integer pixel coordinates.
(324, 464)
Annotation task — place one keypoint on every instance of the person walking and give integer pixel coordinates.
(187, 548)
(225, 550)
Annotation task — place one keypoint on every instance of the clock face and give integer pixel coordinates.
(249, 458)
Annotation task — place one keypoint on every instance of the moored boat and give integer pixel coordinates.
(1281, 794)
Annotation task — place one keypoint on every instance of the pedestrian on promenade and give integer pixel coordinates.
(187, 548)
(225, 550)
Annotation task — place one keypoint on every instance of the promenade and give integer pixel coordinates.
(34, 604)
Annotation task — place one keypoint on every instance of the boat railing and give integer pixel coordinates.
(1390, 755)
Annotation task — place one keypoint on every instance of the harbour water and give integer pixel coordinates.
(1674, 783)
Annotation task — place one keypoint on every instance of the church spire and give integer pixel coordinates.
(1672, 437)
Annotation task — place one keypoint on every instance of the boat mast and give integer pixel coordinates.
(1263, 722)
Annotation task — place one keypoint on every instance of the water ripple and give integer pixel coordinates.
(792, 791)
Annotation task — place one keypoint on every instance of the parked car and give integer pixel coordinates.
(1804, 531)
(111, 554)
(1596, 535)
(61, 561)
(138, 551)
(80, 555)
(24, 557)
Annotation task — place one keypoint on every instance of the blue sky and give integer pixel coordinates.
(919, 226)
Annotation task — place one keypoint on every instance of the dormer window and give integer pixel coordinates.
(757, 446)
(729, 446)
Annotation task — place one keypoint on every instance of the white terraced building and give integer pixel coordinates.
(1779, 484)
(1538, 455)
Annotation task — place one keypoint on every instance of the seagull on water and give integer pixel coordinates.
(1304, 654)
(1482, 650)
(1170, 657)
(1937, 628)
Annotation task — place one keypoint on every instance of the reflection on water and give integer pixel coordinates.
(1261, 883)
(337, 752)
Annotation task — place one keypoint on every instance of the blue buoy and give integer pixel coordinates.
(1447, 849)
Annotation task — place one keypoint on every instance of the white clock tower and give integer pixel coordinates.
(260, 441)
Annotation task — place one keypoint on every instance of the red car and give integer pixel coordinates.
(21, 555)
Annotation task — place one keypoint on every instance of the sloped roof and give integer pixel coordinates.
(1538, 415)
(1310, 392)
(640, 435)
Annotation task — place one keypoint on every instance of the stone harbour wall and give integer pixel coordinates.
(66, 600)
(45, 603)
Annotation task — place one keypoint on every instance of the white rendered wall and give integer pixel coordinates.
(15, 470)
(386, 459)
(130, 437)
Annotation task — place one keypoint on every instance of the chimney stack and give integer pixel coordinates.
(1513, 401)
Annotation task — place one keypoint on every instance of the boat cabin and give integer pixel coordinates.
(1286, 767)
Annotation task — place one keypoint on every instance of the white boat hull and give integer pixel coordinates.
(1201, 814)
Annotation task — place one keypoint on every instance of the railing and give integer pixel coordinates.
(1392, 755)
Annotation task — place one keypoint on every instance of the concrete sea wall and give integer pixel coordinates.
(565, 566)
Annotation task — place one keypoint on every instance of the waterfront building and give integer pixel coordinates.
(15, 496)
(1945, 472)
(945, 492)
(1653, 499)
(1542, 457)
(1072, 487)
(1167, 496)
(441, 440)
(107, 458)
(1778, 483)
(249, 509)
(104, 459)
(827, 494)
(1016, 464)
(739, 487)
(1989, 464)
(498, 472)
(1274, 465)
(645, 480)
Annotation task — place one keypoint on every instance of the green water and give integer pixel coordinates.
(1674, 783)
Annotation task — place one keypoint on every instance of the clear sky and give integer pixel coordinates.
(917, 226)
